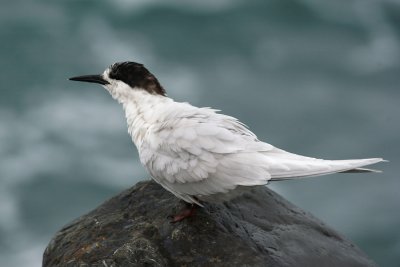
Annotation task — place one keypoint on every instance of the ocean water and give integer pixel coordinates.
(313, 77)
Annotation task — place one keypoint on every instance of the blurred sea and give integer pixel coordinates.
(319, 78)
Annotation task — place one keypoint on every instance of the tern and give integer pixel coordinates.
(196, 153)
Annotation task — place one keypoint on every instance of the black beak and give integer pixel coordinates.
(90, 79)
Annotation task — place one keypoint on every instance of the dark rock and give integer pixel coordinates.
(259, 228)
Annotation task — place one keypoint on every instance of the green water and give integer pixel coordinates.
(313, 77)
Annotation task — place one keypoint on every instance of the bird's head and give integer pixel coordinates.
(123, 77)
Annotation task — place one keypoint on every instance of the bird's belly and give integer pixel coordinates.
(227, 196)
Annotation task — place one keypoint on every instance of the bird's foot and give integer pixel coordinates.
(187, 212)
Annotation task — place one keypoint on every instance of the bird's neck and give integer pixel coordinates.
(142, 110)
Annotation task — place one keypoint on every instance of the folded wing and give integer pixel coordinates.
(201, 153)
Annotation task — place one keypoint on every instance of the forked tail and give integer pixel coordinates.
(299, 167)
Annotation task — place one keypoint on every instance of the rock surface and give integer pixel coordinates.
(259, 228)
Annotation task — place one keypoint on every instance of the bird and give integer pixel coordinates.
(197, 153)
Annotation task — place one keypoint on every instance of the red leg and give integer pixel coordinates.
(185, 213)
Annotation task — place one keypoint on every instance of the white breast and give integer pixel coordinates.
(143, 111)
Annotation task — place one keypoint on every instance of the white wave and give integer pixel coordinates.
(80, 124)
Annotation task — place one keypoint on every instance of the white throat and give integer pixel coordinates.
(142, 111)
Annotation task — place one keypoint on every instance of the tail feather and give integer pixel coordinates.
(362, 170)
(301, 167)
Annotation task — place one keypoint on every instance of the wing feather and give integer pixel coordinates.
(198, 152)
(202, 152)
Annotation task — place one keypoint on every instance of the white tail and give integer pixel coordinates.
(299, 166)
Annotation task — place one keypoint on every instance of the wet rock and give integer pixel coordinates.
(259, 228)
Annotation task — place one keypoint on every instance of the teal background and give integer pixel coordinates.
(318, 78)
